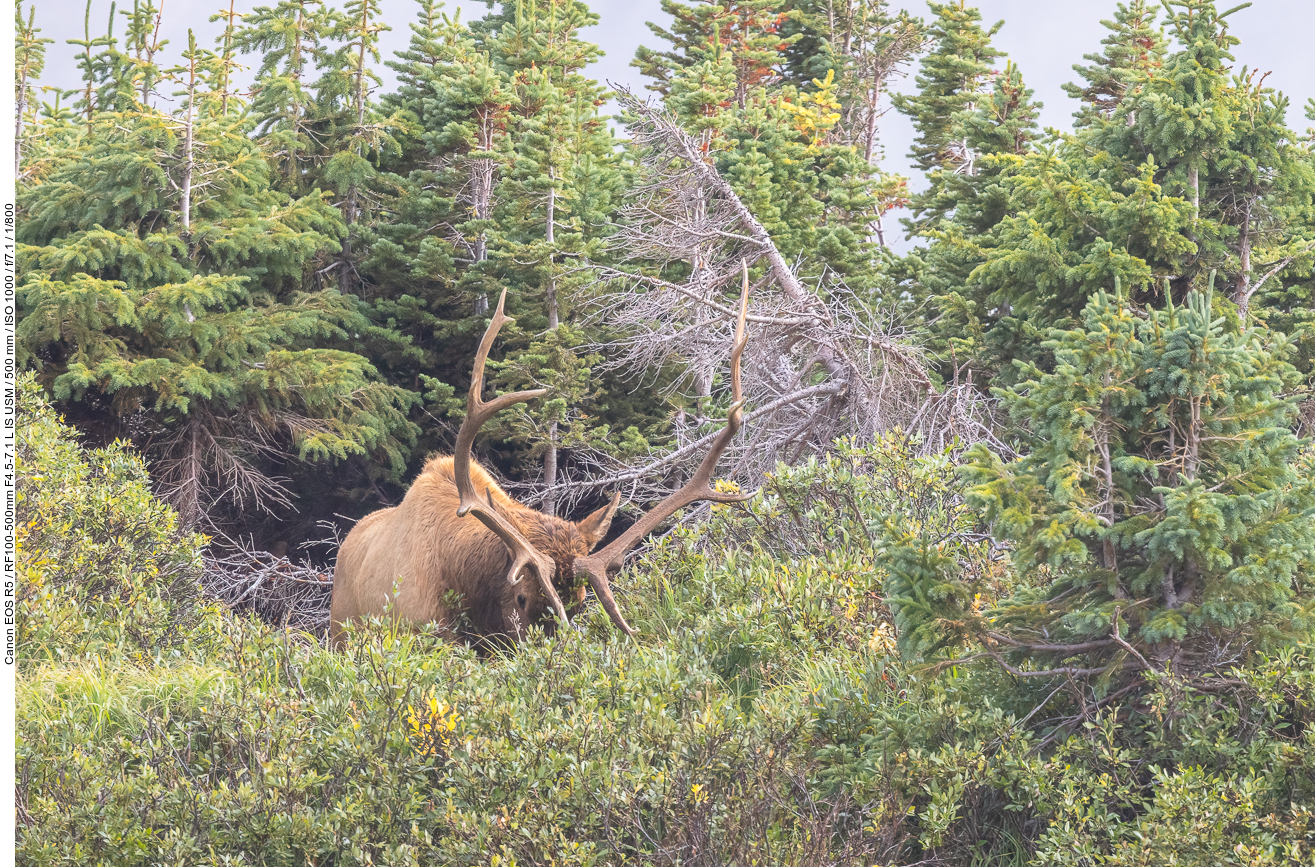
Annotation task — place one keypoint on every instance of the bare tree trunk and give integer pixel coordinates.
(19, 108)
(1109, 554)
(481, 179)
(870, 133)
(1240, 294)
(290, 163)
(550, 455)
(189, 161)
(550, 471)
(1194, 180)
(550, 236)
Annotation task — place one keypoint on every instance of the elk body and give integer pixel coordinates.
(449, 569)
(459, 550)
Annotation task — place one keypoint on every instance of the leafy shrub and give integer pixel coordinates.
(105, 570)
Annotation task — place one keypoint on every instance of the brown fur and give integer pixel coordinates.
(430, 553)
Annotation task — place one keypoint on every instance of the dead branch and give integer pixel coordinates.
(279, 590)
(821, 363)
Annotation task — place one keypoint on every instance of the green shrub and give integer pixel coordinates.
(104, 570)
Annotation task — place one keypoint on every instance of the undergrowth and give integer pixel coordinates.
(764, 715)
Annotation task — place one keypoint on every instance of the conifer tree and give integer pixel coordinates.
(782, 147)
(143, 42)
(292, 40)
(1173, 182)
(227, 63)
(352, 134)
(161, 281)
(1134, 48)
(1159, 516)
(861, 45)
(508, 173)
(747, 32)
(29, 61)
(951, 78)
(95, 65)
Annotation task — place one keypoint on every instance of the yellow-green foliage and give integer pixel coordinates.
(104, 570)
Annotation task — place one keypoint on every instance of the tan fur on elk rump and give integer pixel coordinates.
(433, 557)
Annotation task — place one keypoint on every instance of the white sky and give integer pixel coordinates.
(1045, 38)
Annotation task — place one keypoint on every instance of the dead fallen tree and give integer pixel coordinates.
(821, 362)
(278, 590)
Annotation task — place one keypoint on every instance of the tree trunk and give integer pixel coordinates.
(349, 211)
(550, 293)
(1242, 284)
(18, 120)
(550, 455)
(189, 163)
(1194, 179)
(481, 177)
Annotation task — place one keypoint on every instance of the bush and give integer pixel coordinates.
(104, 569)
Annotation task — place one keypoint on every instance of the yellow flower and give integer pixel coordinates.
(431, 734)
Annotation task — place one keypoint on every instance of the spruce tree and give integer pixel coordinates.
(95, 60)
(951, 78)
(860, 46)
(1134, 48)
(352, 133)
(1192, 170)
(227, 63)
(747, 32)
(162, 296)
(292, 40)
(29, 61)
(784, 151)
(1158, 514)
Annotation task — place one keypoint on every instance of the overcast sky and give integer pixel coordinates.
(1043, 37)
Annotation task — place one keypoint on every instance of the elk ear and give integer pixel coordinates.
(594, 527)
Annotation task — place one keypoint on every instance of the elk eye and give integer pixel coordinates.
(520, 600)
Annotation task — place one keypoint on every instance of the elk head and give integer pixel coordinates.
(562, 558)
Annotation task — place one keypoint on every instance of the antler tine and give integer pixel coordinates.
(479, 411)
(608, 560)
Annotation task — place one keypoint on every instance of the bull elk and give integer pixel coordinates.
(458, 546)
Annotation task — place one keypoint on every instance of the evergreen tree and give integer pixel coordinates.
(964, 205)
(1159, 516)
(94, 64)
(29, 60)
(226, 87)
(951, 78)
(1133, 50)
(351, 132)
(747, 32)
(143, 41)
(858, 45)
(1173, 182)
(782, 147)
(555, 199)
(161, 296)
(292, 40)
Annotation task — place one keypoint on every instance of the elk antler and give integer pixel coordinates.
(607, 561)
(479, 411)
